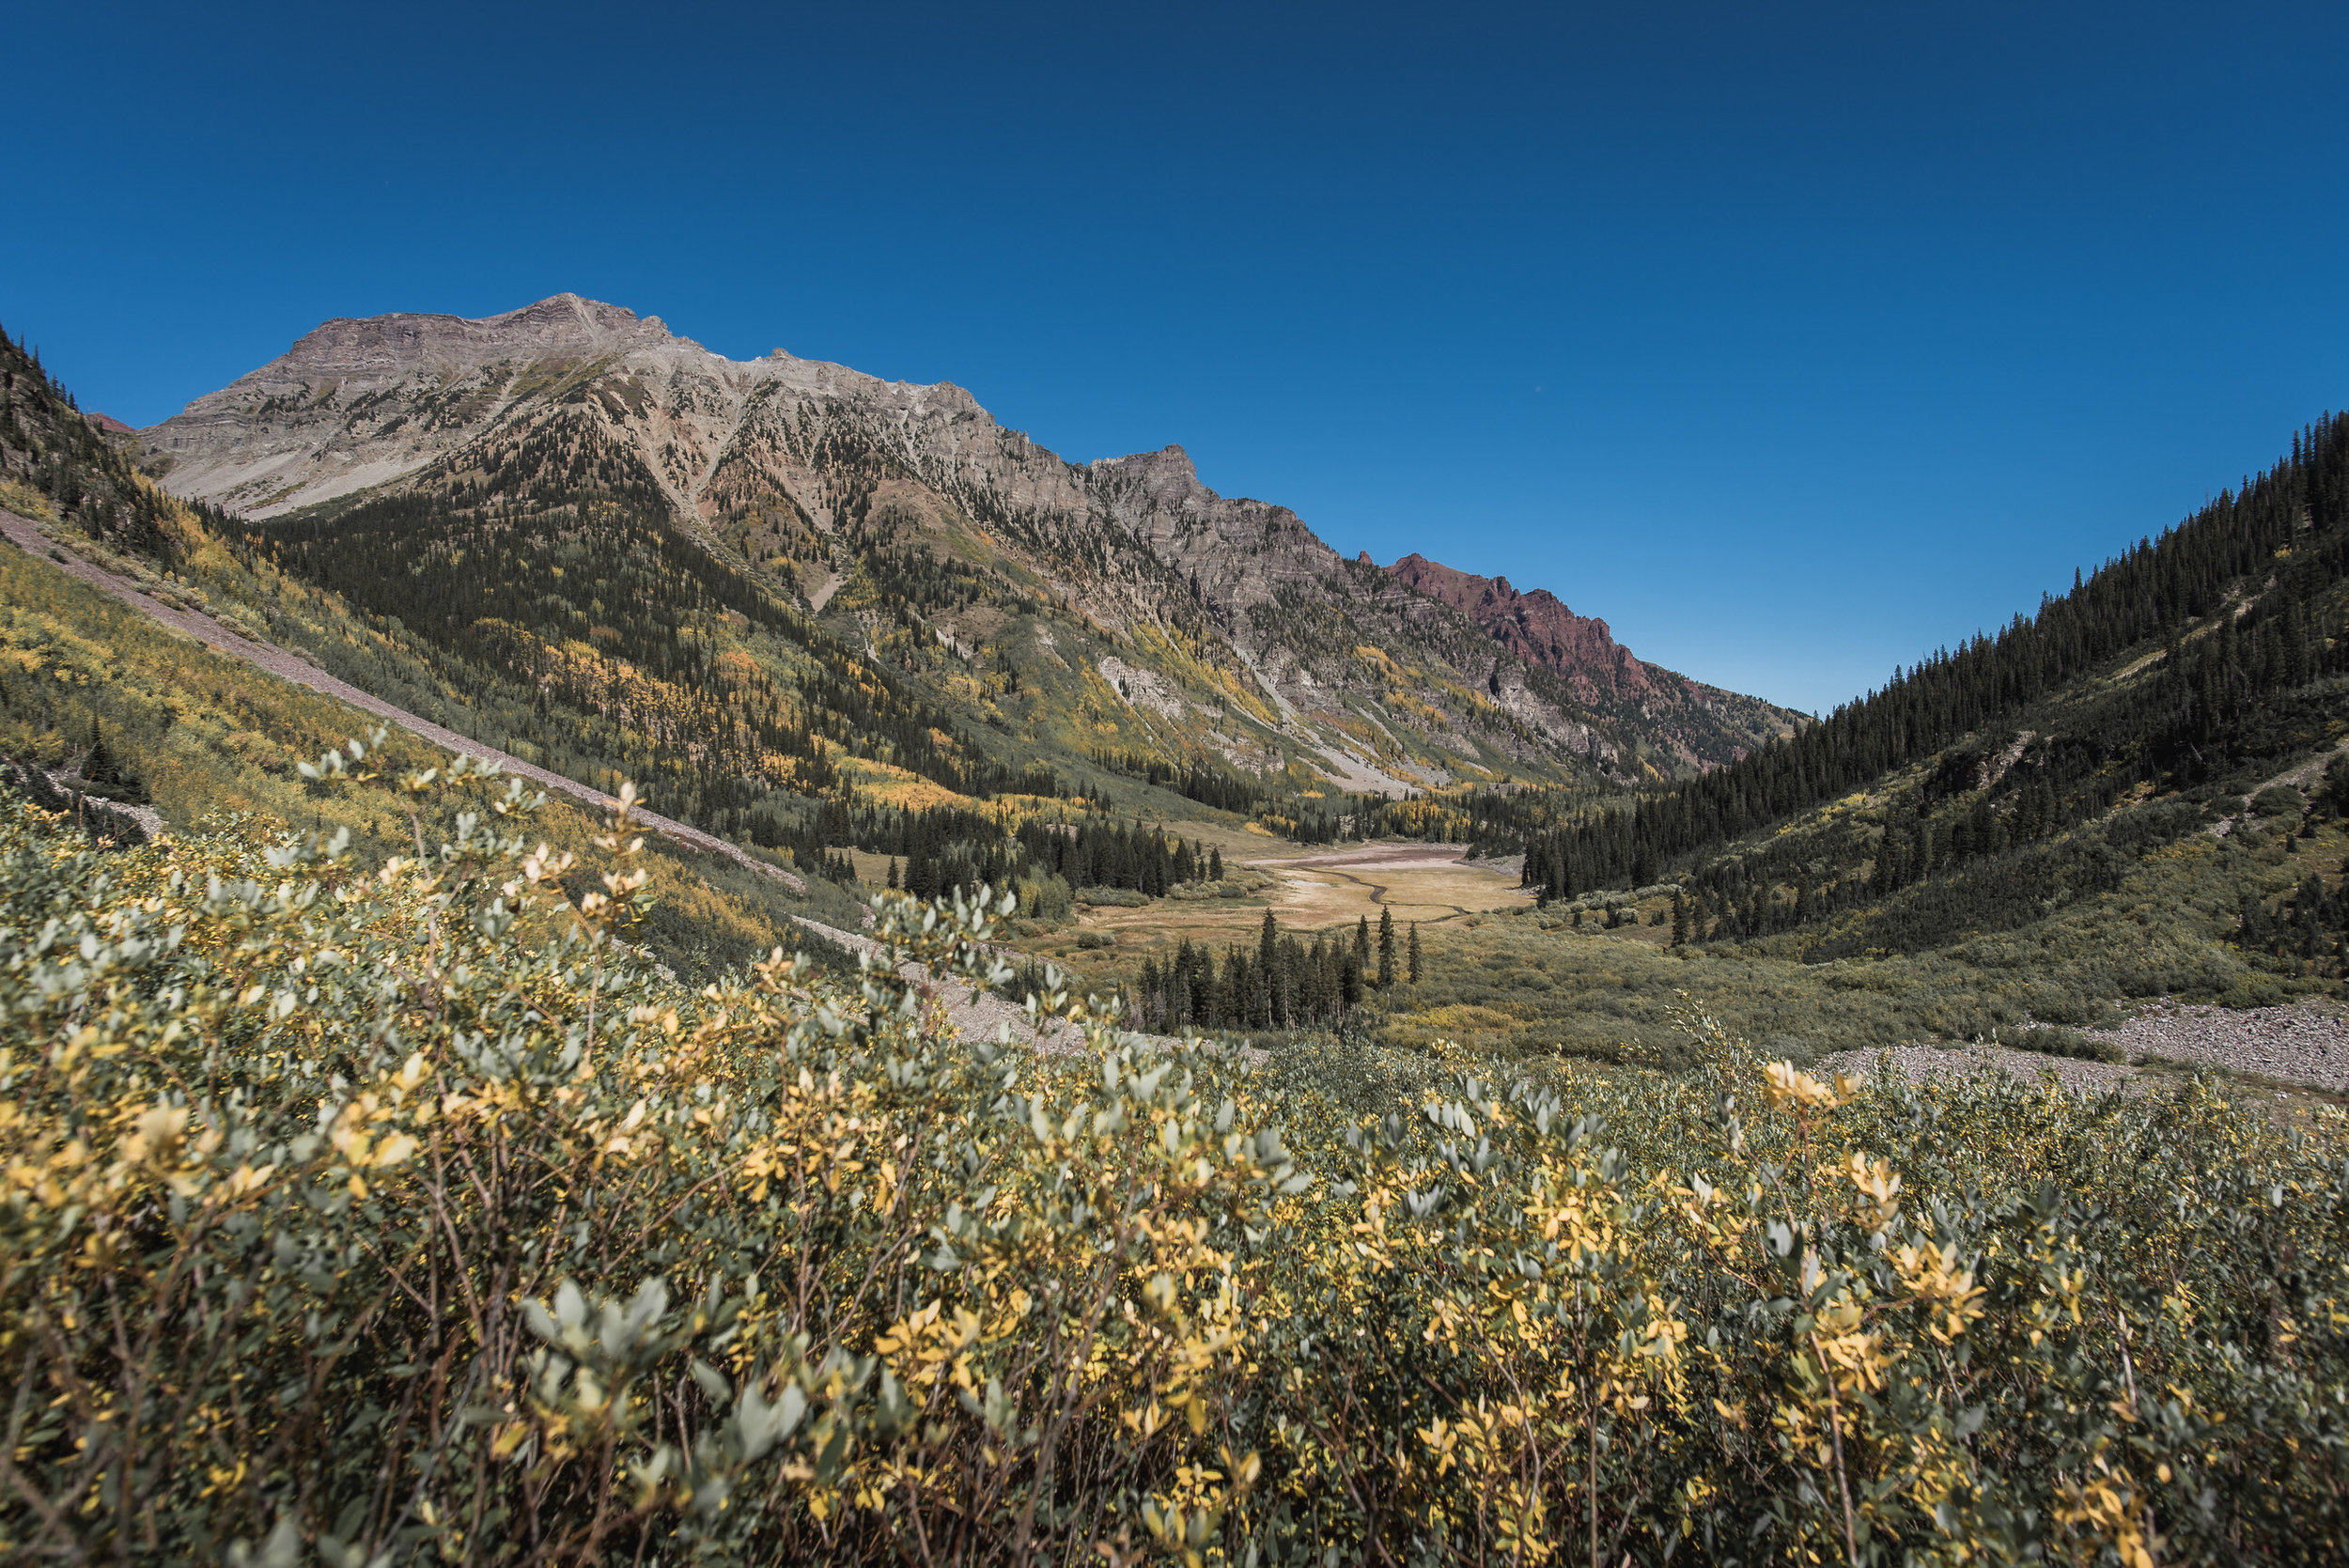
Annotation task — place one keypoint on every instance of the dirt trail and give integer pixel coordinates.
(286, 666)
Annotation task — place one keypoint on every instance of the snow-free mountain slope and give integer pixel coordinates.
(1141, 614)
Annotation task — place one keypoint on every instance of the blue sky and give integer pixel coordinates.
(1792, 340)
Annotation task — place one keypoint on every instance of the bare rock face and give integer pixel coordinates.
(1685, 717)
(359, 403)
(1242, 631)
(382, 351)
(1242, 553)
(1536, 627)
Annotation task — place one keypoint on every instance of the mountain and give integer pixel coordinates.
(884, 624)
(1119, 610)
(142, 727)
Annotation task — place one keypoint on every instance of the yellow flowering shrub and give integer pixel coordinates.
(405, 1214)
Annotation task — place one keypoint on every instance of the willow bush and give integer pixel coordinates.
(400, 1214)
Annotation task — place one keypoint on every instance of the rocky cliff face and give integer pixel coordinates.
(1580, 651)
(960, 550)
(1536, 627)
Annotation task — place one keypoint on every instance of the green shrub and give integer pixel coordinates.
(2055, 1040)
(1045, 897)
(2278, 800)
(404, 1215)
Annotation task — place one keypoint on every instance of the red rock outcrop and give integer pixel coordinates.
(1536, 626)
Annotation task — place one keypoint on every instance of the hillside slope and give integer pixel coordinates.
(2091, 799)
(111, 591)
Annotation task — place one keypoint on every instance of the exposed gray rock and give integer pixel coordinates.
(2302, 1043)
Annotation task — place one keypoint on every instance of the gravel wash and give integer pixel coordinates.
(2300, 1043)
(2303, 1044)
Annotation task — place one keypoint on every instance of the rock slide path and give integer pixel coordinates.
(28, 538)
(2299, 1044)
(2302, 1045)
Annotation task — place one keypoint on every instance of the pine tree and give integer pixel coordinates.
(1386, 948)
(1269, 966)
(1680, 922)
(892, 872)
(96, 764)
(1414, 972)
(1215, 865)
(1361, 944)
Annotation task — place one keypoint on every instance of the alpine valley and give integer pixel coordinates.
(867, 637)
(607, 956)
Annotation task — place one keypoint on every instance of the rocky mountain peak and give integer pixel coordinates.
(374, 346)
(812, 476)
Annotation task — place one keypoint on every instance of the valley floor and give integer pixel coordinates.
(1308, 889)
(1426, 883)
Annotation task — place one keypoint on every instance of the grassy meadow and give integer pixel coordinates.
(1502, 976)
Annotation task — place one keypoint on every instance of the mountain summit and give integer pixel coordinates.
(1126, 610)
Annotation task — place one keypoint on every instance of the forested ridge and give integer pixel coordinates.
(55, 462)
(2238, 618)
